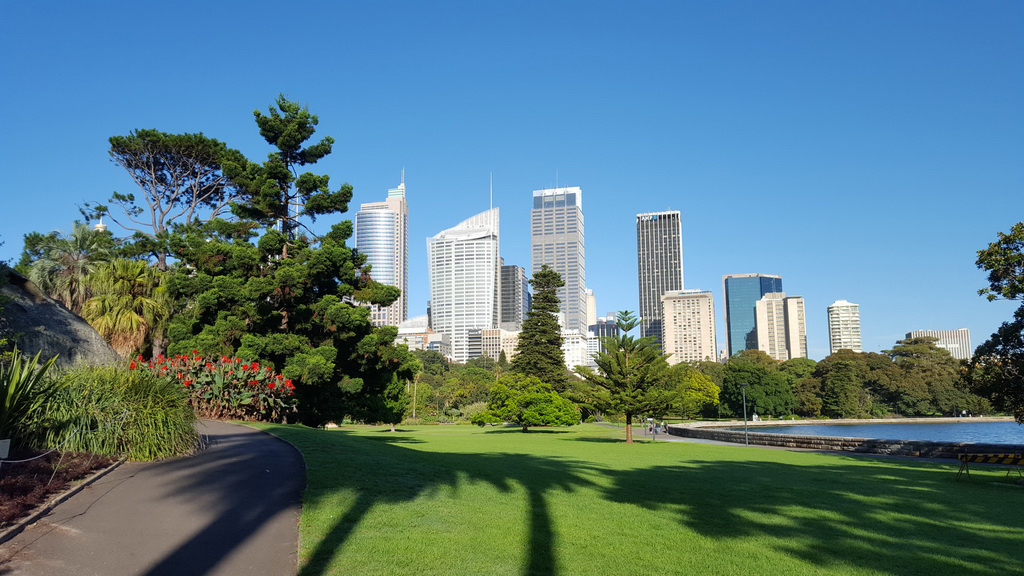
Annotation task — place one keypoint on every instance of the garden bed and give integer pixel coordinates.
(24, 486)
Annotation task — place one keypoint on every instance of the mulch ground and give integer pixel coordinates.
(26, 485)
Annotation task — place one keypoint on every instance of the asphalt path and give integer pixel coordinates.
(232, 509)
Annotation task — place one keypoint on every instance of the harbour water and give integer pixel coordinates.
(982, 432)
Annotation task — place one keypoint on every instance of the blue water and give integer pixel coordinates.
(982, 432)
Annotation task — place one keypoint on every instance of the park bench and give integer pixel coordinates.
(1013, 460)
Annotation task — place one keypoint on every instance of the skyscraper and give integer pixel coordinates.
(515, 297)
(742, 291)
(659, 255)
(556, 230)
(688, 326)
(781, 326)
(465, 279)
(382, 234)
(844, 327)
(958, 342)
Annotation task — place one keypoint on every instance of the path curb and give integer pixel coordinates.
(44, 509)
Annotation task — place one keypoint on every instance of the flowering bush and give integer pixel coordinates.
(227, 387)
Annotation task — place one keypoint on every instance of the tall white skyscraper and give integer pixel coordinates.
(382, 234)
(556, 230)
(844, 327)
(465, 280)
(781, 326)
(659, 256)
(688, 326)
(958, 342)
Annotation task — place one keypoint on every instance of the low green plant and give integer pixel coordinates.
(24, 390)
(115, 411)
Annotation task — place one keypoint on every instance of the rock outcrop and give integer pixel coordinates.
(37, 323)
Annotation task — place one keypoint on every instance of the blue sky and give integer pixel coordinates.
(861, 150)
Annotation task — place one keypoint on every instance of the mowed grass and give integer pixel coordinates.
(471, 501)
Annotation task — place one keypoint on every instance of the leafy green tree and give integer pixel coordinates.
(129, 306)
(797, 369)
(182, 179)
(632, 378)
(257, 292)
(696, 394)
(997, 369)
(539, 351)
(65, 261)
(768, 390)
(527, 401)
(933, 372)
(433, 362)
(842, 390)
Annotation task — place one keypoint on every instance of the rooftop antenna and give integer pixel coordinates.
(403, 176)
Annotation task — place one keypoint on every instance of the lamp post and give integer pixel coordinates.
(746, 437)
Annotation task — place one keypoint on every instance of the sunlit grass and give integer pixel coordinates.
(465, 500)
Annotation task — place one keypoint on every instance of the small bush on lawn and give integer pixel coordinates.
(226, 388)
(113, 411)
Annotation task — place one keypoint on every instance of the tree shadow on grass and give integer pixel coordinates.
(841, 513)
(401, 474)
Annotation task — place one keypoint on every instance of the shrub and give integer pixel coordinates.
(226, 388)
(23, 390)
(113, 411)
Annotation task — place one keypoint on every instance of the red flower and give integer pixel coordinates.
(288, 383)
(132, 365)
(188, 382)
(209, 366)
(139, 358)
(271, 385)
(163, 368)
(245, 366)
(195, 351)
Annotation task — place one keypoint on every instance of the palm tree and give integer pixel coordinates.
(67, 261)
(130, 305)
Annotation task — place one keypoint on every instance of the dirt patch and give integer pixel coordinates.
(26, 485)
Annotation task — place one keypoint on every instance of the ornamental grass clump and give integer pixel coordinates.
(112, 411)
(227, 388)
(23, 390)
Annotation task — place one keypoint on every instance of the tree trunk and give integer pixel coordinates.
(392, 427)
(629, 428)
(524, 428)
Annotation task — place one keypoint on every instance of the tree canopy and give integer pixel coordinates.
(527, 401)
(632, 376)
(997, 369)
(539, 351)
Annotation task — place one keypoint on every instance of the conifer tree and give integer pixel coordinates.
(539, 351)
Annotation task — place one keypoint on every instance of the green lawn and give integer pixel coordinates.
(471, 501)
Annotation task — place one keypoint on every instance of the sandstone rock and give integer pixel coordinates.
(36, 322)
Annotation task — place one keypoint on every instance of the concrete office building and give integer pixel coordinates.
(659, 254)
(688, 326)
(781, 326)
(844, 327)
(958, 342)
(382, 234)
(465, 280)
(556, 232)
(741, 292)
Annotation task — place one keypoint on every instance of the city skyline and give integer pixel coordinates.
(863, 153)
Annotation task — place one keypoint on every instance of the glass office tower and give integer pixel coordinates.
(742, 291)
(382, 234)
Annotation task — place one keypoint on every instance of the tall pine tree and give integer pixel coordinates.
(263, 289)
(539, 351)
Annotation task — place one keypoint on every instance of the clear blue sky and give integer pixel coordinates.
(861, 150)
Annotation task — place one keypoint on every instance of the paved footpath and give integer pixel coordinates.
(231, 509)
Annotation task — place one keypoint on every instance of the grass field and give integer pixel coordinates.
(471, 501)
